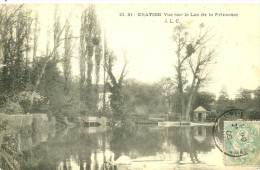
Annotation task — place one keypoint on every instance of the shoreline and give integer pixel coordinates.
(169, 123)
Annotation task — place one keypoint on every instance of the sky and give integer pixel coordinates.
(147, 43)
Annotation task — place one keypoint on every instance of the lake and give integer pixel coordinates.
(126, 147)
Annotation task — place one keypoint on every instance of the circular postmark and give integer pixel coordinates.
(218, 129)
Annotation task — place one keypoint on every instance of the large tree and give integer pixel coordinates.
(193, 57)
(115, 86)
(15, 30)
(90, 47)
(180, 38)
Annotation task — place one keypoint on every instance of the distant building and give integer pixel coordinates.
(199, 114)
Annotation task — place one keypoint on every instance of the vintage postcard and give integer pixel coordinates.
(129, 86)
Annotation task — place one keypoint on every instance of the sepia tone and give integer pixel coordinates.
(128, 86)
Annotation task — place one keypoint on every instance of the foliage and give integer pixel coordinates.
(90, 46)
(223, 103)
(25, 98)
(27, 73)
(170, 97)
(12, 108)
(67, 58)
(115, 86)
(15, 23)
(253, 114)
(117, 102)
(206, 100)
(144, 98)
(245, 99)
(248, 100)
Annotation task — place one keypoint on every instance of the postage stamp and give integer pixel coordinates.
(242, 143)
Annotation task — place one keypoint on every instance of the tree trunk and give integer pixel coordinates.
(180, 90)
(192, 96)
(189, 106)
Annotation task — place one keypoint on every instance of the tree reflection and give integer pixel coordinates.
(136, 141)
(191, 140)
(9, 150)
(188, 144)
(9, 154)
(93, 151)
(90, 151)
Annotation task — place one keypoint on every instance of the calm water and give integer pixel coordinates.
(105, 148)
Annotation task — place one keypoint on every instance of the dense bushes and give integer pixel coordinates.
(12, 108)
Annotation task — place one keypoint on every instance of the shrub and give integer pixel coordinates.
(13, 108)
(253, 114)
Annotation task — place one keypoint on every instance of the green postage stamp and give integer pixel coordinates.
(242, 143)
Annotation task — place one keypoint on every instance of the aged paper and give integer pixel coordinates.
(150, 40)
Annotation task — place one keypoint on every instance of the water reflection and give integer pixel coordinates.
(96, 149)
(192, 140)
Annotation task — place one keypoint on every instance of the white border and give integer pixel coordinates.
(129, 1)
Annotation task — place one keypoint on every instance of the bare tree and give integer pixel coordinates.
(199, 63)
(193, 56)
(181, 39)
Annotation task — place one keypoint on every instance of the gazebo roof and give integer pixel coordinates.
(200, 109)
